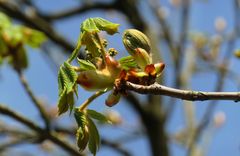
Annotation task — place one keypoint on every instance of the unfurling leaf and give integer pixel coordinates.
(80, 118)
(65, 102)
(13, 35)
(86, 65)
(138, 45)
(82, 138)
(89, 26)
(94, 25)
(83, 130)
(133, 39)
(94, 138)
(98, 116)
(66, 87)
(105, 25)
(91, 43)
(5, 21)
(71, 76)
(33, 38)
(127, 62)
(159, 68)
(142, 58)
(13, 38)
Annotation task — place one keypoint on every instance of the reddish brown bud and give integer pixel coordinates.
(112, 99)
(159, 68)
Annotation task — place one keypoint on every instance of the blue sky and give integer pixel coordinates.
(43, 81)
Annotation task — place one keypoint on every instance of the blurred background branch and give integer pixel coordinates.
(186, 53)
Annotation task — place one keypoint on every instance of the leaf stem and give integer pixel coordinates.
(76, 50)
(103, 51)
(91, 98)
(77, 69)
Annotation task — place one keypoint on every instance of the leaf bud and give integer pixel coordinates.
(112, 99)
(133, 39)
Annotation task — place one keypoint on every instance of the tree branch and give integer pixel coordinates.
(167, 35)
(17, 141)
(35, 101)
(190, 95)
(78, 10)
(117, 147)
(41, 132)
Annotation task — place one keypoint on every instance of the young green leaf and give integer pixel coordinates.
(5, 21)
(94, 138)
(127, 62)
(76, 50)
(83, 130)
(62, 81)
(80, 118)
(89, 26)
(86, 65)
(82, 138)
(62, 104)
(91, 43)
(105, 25)
(71, 76)
(66, 87)
(13, 35)
(65, 101)
(94, 25)
(98, 116)
(33, 38)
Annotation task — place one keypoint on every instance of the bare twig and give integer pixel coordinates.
(78, 10)
(117, 147)
(34, 99)
(17, 141)
(41, 132)
(158, 89)
(165, 28)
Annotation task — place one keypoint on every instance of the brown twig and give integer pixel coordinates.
(34, 99)
(77, 10)
(117, 147)
(41, 132)
(17, 141)
(165, 28)
(158, 89)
